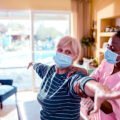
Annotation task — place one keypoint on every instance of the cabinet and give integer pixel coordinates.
(102, 35)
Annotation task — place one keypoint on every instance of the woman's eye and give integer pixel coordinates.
(68, 52)
(111, 48)
(59, 50)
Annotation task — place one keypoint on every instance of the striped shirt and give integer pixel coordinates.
(56, 95)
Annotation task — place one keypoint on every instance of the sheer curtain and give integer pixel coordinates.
(81, 21)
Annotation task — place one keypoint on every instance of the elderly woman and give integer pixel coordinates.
(57, 95)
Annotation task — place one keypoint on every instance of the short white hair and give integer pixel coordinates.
(75, 45)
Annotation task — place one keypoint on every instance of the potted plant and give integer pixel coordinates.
(87, 42)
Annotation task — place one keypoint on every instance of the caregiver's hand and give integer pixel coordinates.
(102, 94)
(76, 69)
(78, 90)
(29, 65)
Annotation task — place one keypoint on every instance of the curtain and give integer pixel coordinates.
(81, 21)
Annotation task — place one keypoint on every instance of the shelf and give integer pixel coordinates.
(107, 34)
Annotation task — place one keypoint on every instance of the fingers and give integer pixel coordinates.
(76, 87)
(28, 67)
(101, 96)
(98, 100)
(70, 73)
(90, 109)
(73, 70)
(78, 90)
(30, 64)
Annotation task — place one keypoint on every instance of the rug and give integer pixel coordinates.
(29, 110)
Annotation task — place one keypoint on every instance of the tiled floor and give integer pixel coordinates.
(9, 111)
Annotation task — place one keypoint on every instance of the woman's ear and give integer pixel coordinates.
(118, 58)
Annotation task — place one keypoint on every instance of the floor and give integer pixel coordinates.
(9, 111)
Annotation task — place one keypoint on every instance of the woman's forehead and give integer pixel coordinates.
(67, 47)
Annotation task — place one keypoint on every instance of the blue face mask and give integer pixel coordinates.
(110, 56)
(62, 61)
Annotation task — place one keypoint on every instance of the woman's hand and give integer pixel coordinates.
(29, 65)
(76, 69)
(103, 94)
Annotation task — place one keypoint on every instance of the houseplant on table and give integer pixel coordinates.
(86, 43)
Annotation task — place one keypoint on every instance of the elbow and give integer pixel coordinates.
(106, 107)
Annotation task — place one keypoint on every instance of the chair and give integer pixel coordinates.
(6, 90)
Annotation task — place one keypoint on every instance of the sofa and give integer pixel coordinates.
(6, 90)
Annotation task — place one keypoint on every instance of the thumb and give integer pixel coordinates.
(95, 110)
(97, 104)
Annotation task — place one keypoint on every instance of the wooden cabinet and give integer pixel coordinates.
(102, 35)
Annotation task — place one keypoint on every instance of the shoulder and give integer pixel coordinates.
(51, 69)
(104, 64)
(78, 75)
(83, 70)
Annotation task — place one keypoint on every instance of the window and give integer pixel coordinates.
(16, 50)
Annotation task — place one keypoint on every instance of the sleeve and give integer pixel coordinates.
(86, 105)
(116, 103)
(97, 73)
(41, 69)
(82, 78)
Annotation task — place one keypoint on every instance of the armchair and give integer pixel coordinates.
(6, 90)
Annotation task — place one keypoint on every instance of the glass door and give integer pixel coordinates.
(48, 28)
(29, 36)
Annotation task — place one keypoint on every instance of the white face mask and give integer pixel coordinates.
(62, 61)
(111, 57)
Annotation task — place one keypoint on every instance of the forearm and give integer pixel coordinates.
(100, 92)
(106, 107)
(91, 87)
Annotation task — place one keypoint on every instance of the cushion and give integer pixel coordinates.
(5, 88)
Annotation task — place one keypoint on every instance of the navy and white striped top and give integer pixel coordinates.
(57, 96)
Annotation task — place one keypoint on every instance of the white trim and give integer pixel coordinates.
(39, 11)
(32, 48)
(51, 11)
